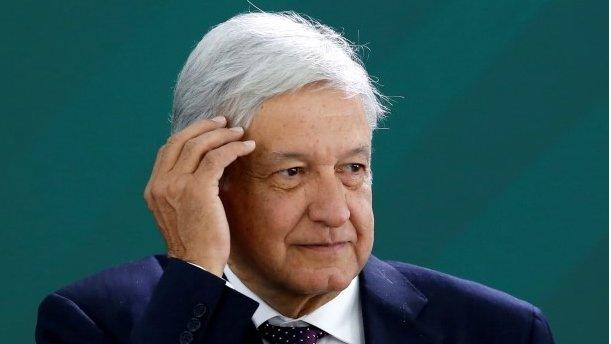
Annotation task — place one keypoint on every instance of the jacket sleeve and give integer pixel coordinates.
(191, 305)
(60, 320)
(540, 332)
(187, 305)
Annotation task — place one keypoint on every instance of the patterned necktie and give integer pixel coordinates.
(290, 335)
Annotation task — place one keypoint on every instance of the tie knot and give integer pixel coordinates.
(290, 335)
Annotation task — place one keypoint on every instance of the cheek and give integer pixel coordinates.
(276, 214)
(361, 216)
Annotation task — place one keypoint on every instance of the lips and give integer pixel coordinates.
(326, 247)
(326, 244)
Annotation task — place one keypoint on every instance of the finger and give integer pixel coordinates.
(194, 149)
(175, 142)
(151, 196)
(167, 215)
(161, 158)
(151, 202)
(215, 161)
(155, 170)
(163, 211)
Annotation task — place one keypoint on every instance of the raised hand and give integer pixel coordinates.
(183, 191)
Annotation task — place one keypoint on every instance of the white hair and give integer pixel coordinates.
(253, 56)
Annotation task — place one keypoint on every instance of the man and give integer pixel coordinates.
(263, 195)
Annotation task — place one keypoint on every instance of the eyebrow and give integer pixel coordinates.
(276, 156)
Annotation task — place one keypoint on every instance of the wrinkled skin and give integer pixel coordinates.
(300, 206)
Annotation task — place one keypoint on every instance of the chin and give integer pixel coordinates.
(322, 280)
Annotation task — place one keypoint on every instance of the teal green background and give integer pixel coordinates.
(494, 167)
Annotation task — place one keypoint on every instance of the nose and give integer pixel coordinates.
(328, 203)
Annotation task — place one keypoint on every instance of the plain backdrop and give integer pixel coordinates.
(493, 166)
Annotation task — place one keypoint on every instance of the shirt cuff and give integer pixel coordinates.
(201, 267)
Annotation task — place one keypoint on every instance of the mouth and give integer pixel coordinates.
(325, 247)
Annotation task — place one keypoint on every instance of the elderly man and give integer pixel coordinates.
(263, 196)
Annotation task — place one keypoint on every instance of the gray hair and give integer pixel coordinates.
(253, 56)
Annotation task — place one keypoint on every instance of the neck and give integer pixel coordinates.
(292, 305)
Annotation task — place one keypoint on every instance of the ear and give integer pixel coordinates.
(225, 180)
(224, 183)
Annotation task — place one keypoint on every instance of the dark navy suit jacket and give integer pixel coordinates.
(165, 300)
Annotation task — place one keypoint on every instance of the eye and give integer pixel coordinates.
(353, 174)
(291, 172)
(355, 168)
(288, 178)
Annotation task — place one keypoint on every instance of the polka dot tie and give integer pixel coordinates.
(290, 335)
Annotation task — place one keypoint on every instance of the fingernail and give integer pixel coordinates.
(237, 129)
(219, 119)
(250, 143)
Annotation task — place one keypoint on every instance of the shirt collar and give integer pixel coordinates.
(341, 317)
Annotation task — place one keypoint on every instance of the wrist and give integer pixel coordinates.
(213, 266)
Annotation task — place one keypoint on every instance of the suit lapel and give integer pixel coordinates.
(390, 305)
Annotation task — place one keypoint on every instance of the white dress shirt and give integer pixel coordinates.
(341, 317)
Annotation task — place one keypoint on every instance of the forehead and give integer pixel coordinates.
(316, 122)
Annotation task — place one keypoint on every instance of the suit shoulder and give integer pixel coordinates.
(122, 289)
(446, 290)
(112, 298)
(137, 276)
(460, 308)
